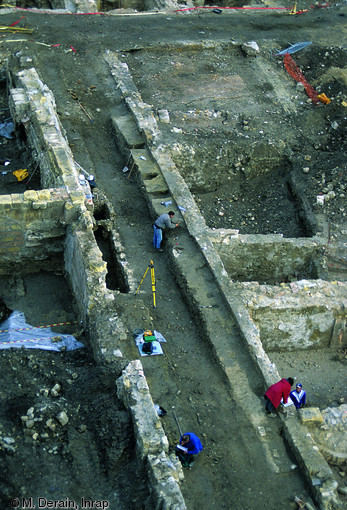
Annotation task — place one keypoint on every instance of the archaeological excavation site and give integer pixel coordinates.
(233, 116)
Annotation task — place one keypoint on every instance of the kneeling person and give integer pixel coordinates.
(188, 449)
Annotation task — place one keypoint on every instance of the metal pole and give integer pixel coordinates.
(178, 425)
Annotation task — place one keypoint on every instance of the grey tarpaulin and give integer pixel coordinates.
(16, 333)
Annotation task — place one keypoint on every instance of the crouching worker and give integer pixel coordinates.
(276, 393)
(162, 223)
(188, 449)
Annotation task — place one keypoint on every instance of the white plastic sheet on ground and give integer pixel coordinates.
(16, 333)
(157, 349)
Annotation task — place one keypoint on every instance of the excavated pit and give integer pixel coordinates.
(234, 132)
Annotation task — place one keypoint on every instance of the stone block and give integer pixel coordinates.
(17, 198)
(40, 205)
(5, 202)
(30, 195)
(44, 194)
(18, 104)
(125, 129)
(311, 416)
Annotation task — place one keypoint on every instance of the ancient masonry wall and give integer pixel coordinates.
(268, 258)
(171, 186)
(86, 269)
(307, 314)
(38, 223)
(231, 255)
(32, 228)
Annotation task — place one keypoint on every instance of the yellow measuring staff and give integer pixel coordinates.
(151, 265)
(153, 283)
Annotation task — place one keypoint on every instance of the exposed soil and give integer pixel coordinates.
(48, 459)
(98, 461)
(225, 113)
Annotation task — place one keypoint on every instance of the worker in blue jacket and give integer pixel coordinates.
(188, 449)
(298, 396)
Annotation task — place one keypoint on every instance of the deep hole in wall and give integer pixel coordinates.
(101, 211)
(115, 279)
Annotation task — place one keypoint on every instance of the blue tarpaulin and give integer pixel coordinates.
(293, 48)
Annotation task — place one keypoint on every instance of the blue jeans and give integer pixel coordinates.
(157, 237)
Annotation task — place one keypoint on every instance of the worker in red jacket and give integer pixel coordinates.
(276, 393)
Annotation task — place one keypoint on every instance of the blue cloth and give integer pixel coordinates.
(299, 399)
(157, 237)
(293, 48)
(194, 444)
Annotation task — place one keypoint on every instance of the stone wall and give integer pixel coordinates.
(32, 228)
(32, 225)
(301, 315)
(32, 107)
(85, 268)
(165, 472)
(267, 258)
(38, 223)
(317, 473)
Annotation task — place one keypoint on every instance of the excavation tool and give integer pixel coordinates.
(131, 169)
(15, 29)
(178, 425)
(151, 265)
(75, 97)
(126, 169)
(85, 111)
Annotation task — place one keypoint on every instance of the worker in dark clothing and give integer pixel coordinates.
(276, 393)
(188, 449)
(163, 222)
(91, 181)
